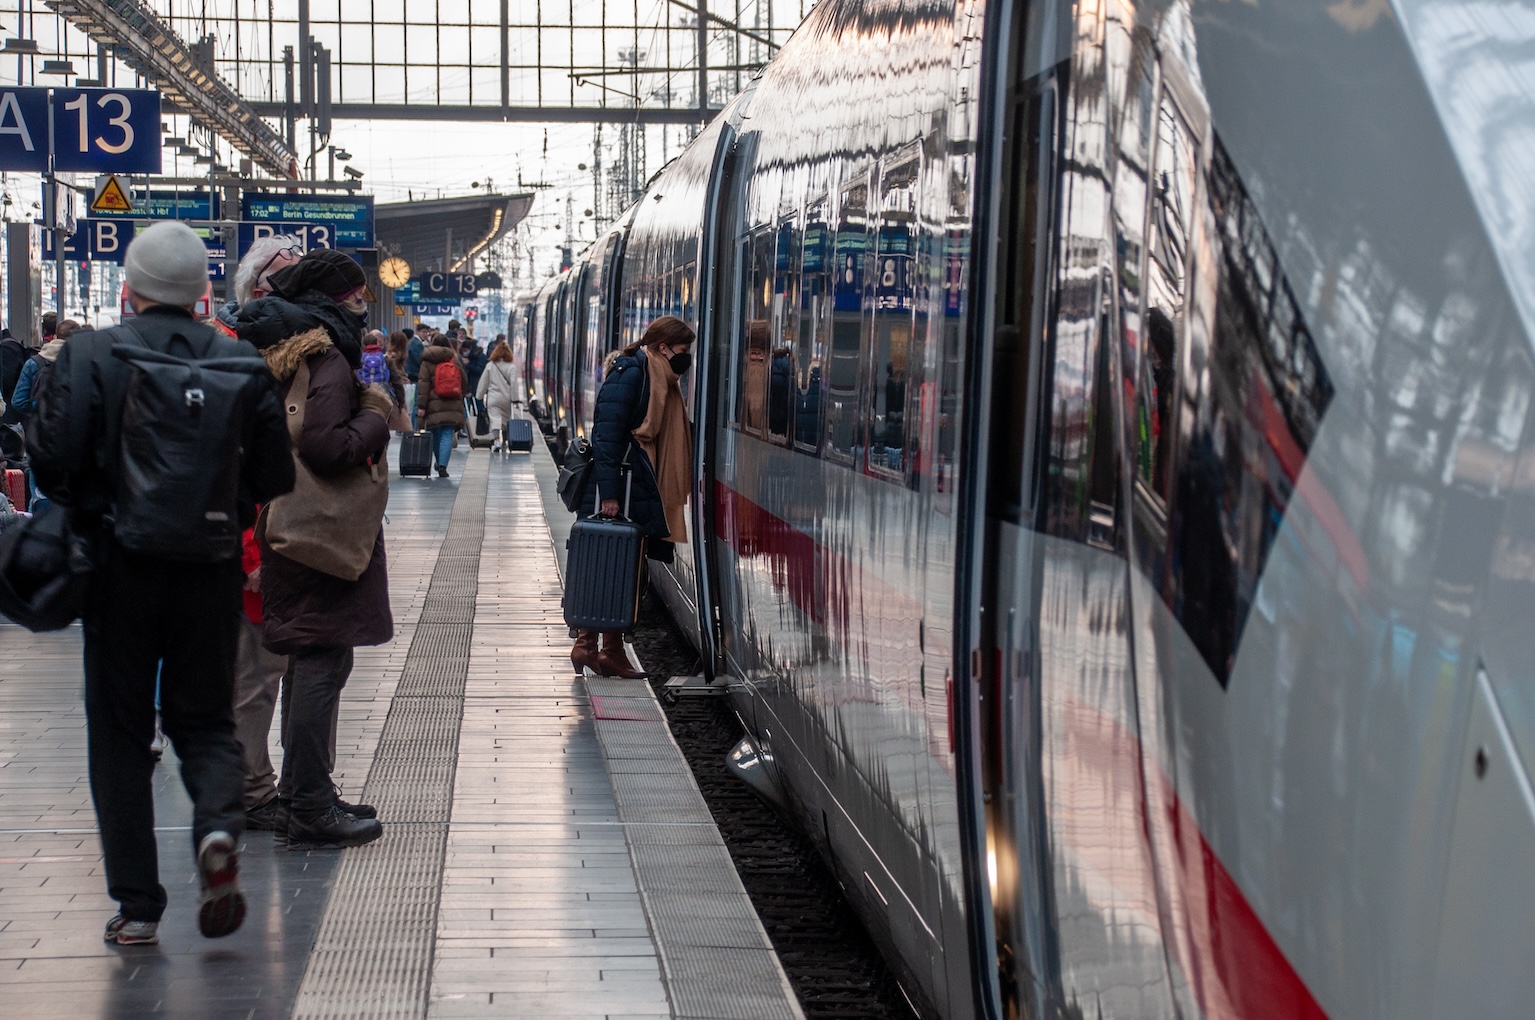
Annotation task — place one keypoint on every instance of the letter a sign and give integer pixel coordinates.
(111, 197)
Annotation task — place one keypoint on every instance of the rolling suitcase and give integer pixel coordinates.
(519, 435)
(415, 454)
(16, 487)
(605, 557)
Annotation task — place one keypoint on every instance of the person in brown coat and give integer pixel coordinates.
(439, 404)
(314, 318)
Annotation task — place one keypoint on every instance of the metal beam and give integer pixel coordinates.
(145, 43)
(521, 114)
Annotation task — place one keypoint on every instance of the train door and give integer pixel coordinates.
(711, 313)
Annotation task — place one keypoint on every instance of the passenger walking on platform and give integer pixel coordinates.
(166, 590)
(312, 325)
(440, 399)
(13, 355)
(415, 344)
(641, 428)
(24, 396)
(496, 391)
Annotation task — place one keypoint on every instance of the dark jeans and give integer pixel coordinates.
(442, 443)
(183, 619)
(315, 677)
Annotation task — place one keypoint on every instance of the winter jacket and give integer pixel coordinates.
(22, 395)
(622, 403)
(498, 388)
(474, 368)
(413, 352)
(80, 480)
(439, 410)
(12, 357)
(302, 607)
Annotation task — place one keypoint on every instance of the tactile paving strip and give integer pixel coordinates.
(373, 954)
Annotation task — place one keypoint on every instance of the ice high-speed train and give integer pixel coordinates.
(1116, 488)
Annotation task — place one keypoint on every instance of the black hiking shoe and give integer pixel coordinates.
(269, 817)
(364, 811)
(334, 828)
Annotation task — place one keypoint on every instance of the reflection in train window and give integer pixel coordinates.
(756, 306)
(814, 325)
(892, 328)
(850, 251)
(785, 321)
(1246, 420)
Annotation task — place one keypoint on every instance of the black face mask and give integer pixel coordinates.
(681, 362)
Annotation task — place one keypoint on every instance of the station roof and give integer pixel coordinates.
(427, 231)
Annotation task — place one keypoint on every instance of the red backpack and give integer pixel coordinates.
(447, 381)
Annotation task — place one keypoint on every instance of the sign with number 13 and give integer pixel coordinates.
(106, 130)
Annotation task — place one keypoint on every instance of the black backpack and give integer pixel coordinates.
(181, 425)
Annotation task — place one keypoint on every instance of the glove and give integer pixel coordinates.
(374, 369)
(378, 400)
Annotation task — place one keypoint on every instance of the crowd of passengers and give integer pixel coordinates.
(272, 614)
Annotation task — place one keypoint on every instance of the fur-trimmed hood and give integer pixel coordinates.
(284, 358)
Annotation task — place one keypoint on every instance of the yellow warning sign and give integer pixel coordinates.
(111, 197)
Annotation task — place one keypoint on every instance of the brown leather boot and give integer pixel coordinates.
(585, 654)
(613, 661)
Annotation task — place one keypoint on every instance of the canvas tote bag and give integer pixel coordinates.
(329, 524)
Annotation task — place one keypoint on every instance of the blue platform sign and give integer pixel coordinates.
(350, 217)
(94, 240)
(24, 129)
(446, 287)
(310, 235)
(411, 296)
(172, 205)
(106, 130)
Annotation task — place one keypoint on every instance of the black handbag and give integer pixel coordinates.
(574, 472)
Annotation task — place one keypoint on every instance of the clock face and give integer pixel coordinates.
(394, 272)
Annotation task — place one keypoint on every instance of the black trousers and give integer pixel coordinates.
(315, 679)
(180, 621)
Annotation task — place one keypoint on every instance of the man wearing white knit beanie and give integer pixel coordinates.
(164, 597)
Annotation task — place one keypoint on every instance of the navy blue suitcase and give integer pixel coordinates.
(415, 454)
(519, 435)
(604, 560)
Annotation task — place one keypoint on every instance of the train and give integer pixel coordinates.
(1114, 519)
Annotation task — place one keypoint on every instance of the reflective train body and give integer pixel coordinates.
(1115, 503)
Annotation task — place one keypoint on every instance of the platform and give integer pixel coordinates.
(512, 880)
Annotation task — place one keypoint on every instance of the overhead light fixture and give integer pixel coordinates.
(343, 155)
(57, 67)
(173, 141)
(90, 83)
(19, 46)
(352, 172)
(202, 158)
(186, 150)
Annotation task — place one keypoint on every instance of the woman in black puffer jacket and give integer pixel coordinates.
(640, 427)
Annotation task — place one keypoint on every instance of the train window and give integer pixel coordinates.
(891, 364)
(1254, 389)
(757, 256)
(844, 438)
(1171, 203)
(814, 323)
(785, 322)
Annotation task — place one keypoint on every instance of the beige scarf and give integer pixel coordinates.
(667, 439)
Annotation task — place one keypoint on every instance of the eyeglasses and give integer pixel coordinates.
(292, 249)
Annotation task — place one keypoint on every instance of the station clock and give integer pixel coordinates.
(394, 272)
